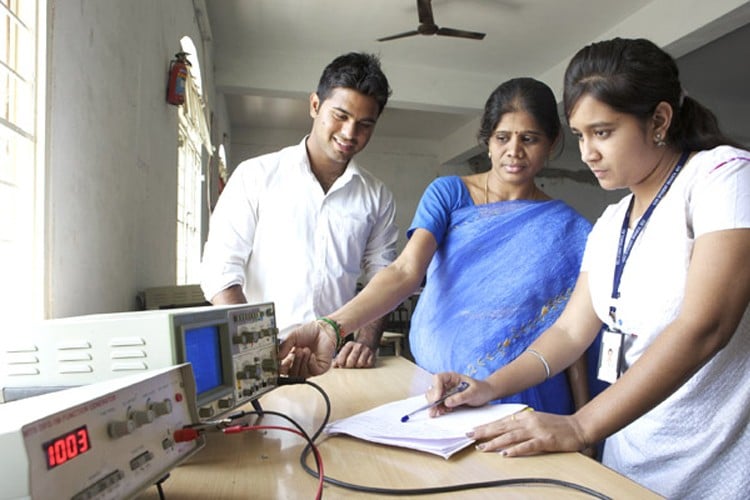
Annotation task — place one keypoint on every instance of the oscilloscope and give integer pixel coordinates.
(232, 349)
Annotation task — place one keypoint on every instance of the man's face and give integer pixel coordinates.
(342, 126)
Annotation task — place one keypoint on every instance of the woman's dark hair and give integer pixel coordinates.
(633, 76)
(357, 71)
(521, 94)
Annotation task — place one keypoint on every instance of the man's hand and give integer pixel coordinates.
(355, 355)
(308, 350)
(363, 351)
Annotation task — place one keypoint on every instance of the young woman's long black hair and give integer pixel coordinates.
(633, 76)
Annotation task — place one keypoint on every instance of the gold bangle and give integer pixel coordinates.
(541, 358)
(336, 329)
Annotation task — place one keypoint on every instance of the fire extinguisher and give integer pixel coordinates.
(178, 73)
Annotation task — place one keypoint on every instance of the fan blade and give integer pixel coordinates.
(427, 26)
(473, 35)
(424, 8)
(400, 35)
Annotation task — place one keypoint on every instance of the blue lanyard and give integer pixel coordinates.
(624, 252)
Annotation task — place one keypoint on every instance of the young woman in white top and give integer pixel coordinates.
(666, 273)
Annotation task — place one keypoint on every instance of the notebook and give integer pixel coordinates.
(443, 436)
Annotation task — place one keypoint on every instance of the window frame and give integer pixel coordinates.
(23, 84)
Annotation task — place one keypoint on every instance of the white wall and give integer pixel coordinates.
(112, 150)
(406, 167)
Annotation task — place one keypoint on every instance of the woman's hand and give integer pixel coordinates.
(307, 351)
(530, 433)
(477, 394)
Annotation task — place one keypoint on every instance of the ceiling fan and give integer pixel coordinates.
(427, 26)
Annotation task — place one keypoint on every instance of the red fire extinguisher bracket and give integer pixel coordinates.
(178, 75)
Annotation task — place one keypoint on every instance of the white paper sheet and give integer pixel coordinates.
(444, 435)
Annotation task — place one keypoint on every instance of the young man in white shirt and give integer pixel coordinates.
(299, 226)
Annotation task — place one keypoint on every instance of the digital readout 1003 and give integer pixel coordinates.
(67, 447)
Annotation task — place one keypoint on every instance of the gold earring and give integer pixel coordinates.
(489, 155)
(659, 141)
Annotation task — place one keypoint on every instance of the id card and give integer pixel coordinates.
(610, 356)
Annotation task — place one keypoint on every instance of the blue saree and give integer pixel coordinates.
(501, 275)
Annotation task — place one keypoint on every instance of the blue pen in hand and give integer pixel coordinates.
(455, 390)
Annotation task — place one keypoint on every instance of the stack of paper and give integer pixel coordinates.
(444, 435)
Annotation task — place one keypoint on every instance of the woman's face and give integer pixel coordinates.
(614, 145)
(518, 148)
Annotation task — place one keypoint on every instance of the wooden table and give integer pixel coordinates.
(265, 464)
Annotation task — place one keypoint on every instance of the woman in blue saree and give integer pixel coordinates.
(500, 258)
(501, 274)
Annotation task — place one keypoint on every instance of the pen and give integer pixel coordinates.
(455, 390)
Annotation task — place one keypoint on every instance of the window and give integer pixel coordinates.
(193, 137)
(21, 160)
(188, 206)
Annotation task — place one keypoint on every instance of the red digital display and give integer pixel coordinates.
(67, 447)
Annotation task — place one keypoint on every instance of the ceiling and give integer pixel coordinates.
(268, 54)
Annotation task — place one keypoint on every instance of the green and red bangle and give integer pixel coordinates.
(337, 329)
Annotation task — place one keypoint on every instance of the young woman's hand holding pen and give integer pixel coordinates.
(477, 394)
(524, 433)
